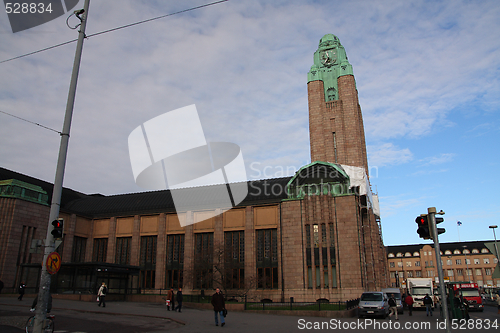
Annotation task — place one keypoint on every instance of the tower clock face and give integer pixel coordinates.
(328, 57)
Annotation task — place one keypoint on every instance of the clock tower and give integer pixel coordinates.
(335, 121)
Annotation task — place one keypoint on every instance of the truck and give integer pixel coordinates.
(418, 288)
(469, 292)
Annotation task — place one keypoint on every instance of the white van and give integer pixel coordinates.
(397, 295)
(373, 303)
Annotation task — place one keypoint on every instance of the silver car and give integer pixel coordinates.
(373, 303)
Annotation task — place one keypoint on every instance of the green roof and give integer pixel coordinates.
(13, 188)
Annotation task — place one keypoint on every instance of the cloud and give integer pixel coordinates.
(434, 160)
(388, 154)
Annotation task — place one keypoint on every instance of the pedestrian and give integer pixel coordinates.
(170, 299)
(393, 307)
(21, 290)
(428, 304)
(101, 295)
(179, 300)
(1, 286)
(219, 306)
(498, 303)
(409, 302)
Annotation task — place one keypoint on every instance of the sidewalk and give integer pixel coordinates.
(196, 320)
(190, 319)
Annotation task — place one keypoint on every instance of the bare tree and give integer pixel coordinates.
(223, 268)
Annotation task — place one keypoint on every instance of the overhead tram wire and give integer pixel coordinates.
(117, 28)
(31, 122)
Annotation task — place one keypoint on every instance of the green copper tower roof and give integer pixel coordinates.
(330, 62)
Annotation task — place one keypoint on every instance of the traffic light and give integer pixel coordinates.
(423, 227)
(57, 228)
(439, 230)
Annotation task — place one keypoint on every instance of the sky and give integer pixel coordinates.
(427, 74)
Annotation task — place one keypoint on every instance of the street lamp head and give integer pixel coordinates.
(493, 226)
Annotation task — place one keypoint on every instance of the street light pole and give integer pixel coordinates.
(493, 227)
(44, 290)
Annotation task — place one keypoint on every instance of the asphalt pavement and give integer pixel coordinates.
(131, 317)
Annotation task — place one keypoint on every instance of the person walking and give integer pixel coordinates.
(101, 294)
(21, 291)
(409, 303)
(170, 299)
(428, 304)
(179, 300)
(498, 302)
(393, 307)
(219, 306)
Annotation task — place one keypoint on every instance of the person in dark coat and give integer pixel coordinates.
(1, 286)
(179, 300)
(428, 304)
(219, 305)
(21, 291)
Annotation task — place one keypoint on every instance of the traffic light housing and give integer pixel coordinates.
(439, 230)
(423, 227)
(57, 228)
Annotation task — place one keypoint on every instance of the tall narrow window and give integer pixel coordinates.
(234, 260)
(147, 261)
(308, 256)
(79, 248)
(203, 262)
(100, 250)
(175, 261)
(335, 146)
(333, 260)
(267, 258)
(122, 255)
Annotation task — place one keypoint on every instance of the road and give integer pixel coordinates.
(131, 317)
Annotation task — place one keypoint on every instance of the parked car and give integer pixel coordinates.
(373, 303)
(397, 295)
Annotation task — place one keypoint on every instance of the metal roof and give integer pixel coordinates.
(265, 191)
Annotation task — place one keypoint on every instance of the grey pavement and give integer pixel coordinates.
(195, 320)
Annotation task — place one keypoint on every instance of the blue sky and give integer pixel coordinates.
(427, 74)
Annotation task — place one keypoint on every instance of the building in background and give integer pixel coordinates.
(316, 235)
(473, 262)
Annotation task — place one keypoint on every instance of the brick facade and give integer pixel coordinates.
(336, 127)
(319, 246)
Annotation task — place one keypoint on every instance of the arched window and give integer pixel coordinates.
(456, 252)
(399, 254)
(407, 254)
(484, 250)
(465, 251)
(391, 255)
(416, 254)
(447, 252)
(475, 251)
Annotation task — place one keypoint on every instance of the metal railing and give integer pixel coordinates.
(320, 305)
